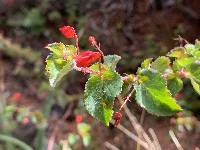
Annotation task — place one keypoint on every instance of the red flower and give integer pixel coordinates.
(79, 118)
(68, 32)
(92, 40)
(86, 58)
(25, 120)
(16, 96)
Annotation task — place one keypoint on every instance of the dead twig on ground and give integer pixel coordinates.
(134, 122)
(132, 136)
(111, 146)
(175, 140)
(155, 139)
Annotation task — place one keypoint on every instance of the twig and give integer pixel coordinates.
(132, 136)
(77, 46)
(141, 123)
(127, 99)
(155, 139)
(175, 140)
(84, 69)
(111, 146)
(52, 139)
(138, 128)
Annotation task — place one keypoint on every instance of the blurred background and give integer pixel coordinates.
(33, 113)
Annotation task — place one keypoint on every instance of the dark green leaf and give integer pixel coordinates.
(153, 95)
(191, 65)
(174, 84)
(195, 85)
(100, 93)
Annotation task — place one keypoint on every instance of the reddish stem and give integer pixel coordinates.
(77, 46)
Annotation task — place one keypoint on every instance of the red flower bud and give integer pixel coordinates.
(86, 58)
(16, 96)
(25, 120)
(117, 117)
(92, 40)
(79, 119)
(68, 32)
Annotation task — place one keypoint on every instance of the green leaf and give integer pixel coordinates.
(174, 84)
(146, 63)
(195, 85)
(193, 49)
(72, 138)
(153, 95)
(100, 93)
(59, 49)
(178, 52)
(83, 130)
(190, 48)
(197, 44)
(191, 65)
(111, 61)
(161, 64)
(56, 68)
(86, 140)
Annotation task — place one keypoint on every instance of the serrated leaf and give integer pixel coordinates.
(56, 68)
(111, 61)
(153, 95)
(192, 49)
(59, 63)
(59, 49)
(191, 65)
(197, 44)
(195, 85)
(146, 63)
(174, 84)
(100, 93)
(161, 64)
(178, 52)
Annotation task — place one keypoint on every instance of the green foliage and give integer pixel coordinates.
(100, 93)
(111, 61)
(161, 64)
(178, 52)
(195, 85)
(153, 95)
(156, 83)
(146, 63)
(72, 138)
(83, 130)
(174, 84)
(57, 66)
